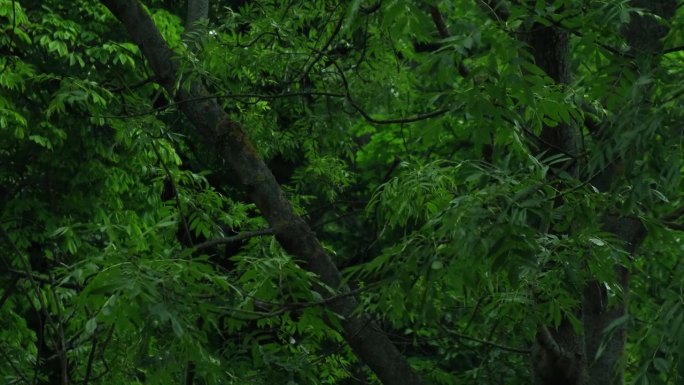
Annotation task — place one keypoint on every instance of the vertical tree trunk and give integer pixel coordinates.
(561, 356)
(643, 34)
(558, 355)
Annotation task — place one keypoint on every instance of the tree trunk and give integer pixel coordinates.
(558, 353)
(229, 139)
(643, 34)
(561, 356)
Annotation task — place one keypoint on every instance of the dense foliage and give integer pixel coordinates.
(412, 136)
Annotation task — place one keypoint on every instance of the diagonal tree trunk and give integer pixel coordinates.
(229, 139)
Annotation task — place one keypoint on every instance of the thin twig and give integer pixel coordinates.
(489, 343)
(235, 238)
(47, 280)
(221, 96)
(321, 51)
(384, 121)
(62, 352)
(257, 38)
(285, 307)
(89, 364)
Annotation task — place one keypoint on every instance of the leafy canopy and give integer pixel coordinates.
(426, 186)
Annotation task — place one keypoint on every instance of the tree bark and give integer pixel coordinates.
(558, 353)
(644, 35)
(197, 10)
(561, 356)
(228, 137)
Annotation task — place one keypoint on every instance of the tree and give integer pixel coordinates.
(400, 192)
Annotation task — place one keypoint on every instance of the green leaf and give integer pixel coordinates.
(90, 326)
(596, 241)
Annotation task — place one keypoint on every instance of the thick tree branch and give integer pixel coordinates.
(230, 140)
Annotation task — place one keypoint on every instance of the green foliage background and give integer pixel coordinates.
(445, 226)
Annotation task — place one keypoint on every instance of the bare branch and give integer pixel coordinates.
(497, 345)
(322, 51)
(236, 238)
(370, 119)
